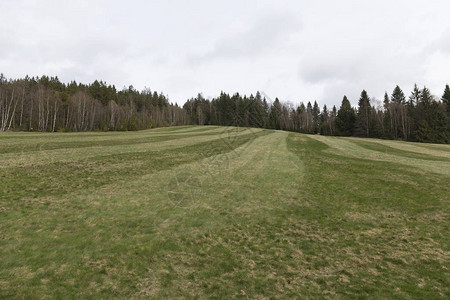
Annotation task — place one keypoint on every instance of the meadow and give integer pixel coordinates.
(222, 212)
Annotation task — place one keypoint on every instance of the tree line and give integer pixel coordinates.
(421, 117)
(45, 104)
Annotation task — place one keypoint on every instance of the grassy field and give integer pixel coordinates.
(222, 212)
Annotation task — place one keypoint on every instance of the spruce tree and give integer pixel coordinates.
(301, 108)
(363, 116)
(431, 121)
(309, 118)
(256, 111)
(415, 96)
(323, 120)
(414, 109)
(274, 117)
(309, 107)
(446, 103)
(426, 97)
(446, 100)
(316, 117)
(345, 119)
(398, 96)
(387, 116)
(266, 112)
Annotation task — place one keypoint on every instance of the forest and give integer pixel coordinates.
(46, 104)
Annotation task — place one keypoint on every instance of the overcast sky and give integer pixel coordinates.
(295, 50)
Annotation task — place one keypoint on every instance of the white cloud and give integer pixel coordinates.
(251, 40)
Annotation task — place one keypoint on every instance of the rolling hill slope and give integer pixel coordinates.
(222, 212)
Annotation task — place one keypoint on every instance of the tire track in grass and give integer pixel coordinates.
(345, 147)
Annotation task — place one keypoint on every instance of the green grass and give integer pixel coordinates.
(222, 212)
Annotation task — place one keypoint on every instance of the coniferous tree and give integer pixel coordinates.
(415, 96)
(316, 117)
(362, 126)
(256, 111)
(399, 116)
(388, 117)
(446, 105)
(266, 110)
(432, 120)
(302, 119)
(45, 104)
(398, 96)
(332, 121)
(274, 117)
(309, 118)
(413, 109)
(345, 119)
(446, 100)
(324, 116)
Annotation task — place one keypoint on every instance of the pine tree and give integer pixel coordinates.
(431, 120)
(415, 96)
(446, 104)
(446, 100)
(256, 111)
(309, 107)
(426, 97)
(309, 118)
(345, 119)
(388, 125)
(316, 117)
(413, 109)
(324, 120)
(398, 96)
(274, 117)
(332, 121)
(398, 114)
(363, 116)
(266, 111)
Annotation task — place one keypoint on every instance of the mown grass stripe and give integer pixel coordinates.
(9, 140)
(147, 215)
(349, 148)
(264, 214)
(90, 173)
(73, 144)
(399, 151)
(51, 156)
(440, 151)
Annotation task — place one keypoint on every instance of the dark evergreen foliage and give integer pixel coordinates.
(46, 104)
(363, 117)
(345, 119)
(446, 102)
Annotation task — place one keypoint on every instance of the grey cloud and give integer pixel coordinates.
(298, 50)
(262, 36)
(323, 70)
